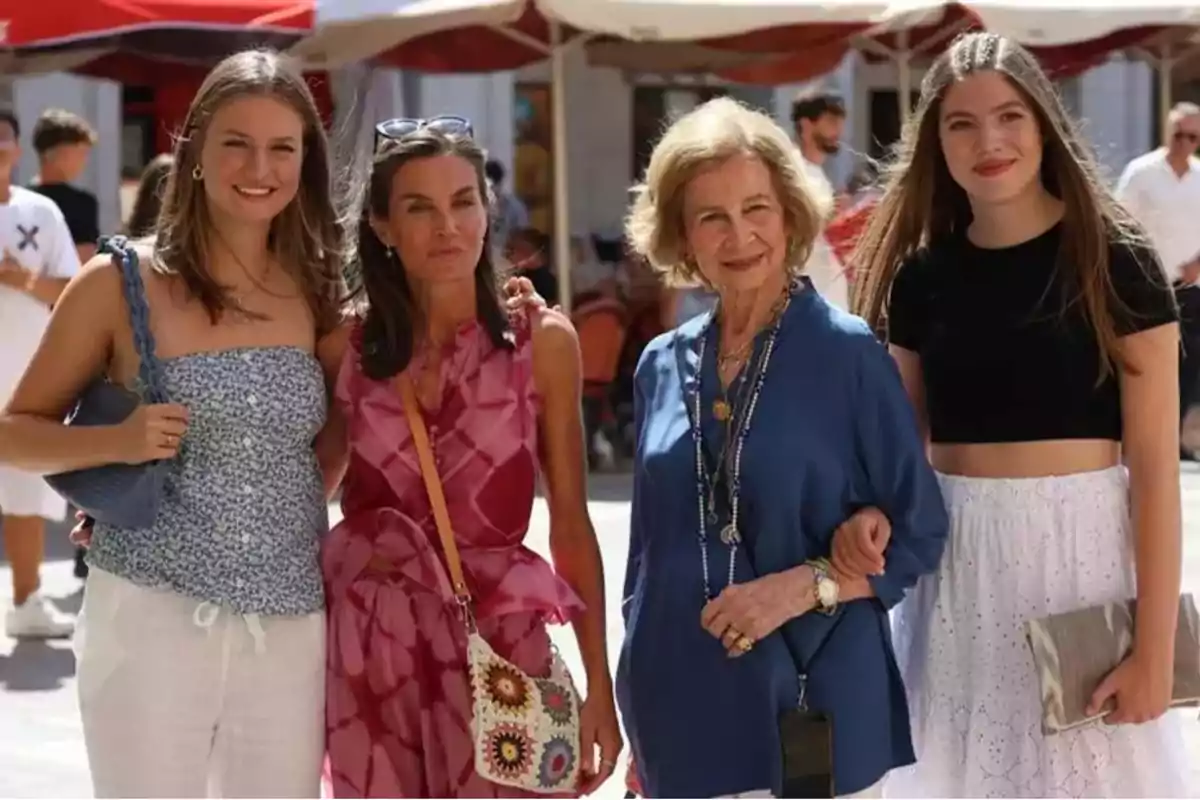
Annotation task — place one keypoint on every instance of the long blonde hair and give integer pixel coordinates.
(306, 237)
(922, 203)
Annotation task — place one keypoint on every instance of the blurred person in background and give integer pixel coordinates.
(63, 142)
(509, 214)
(819, 118)
(859, 200)
(1162, 191)
(590, 277)
(143, 217)
(37, 258)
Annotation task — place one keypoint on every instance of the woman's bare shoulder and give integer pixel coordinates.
(97, 284)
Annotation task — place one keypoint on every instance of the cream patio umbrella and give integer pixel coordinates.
(490, 35)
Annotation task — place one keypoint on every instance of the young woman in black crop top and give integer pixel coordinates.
(1038, 340)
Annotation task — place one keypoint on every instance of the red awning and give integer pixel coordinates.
(149, 42)
(49, 24)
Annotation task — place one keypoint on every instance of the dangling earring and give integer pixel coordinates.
(198, 173)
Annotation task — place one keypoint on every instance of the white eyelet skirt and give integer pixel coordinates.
(1018, 549)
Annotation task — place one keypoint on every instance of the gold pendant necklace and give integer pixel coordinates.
(721, 408)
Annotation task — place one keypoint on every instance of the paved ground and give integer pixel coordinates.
(41, 751)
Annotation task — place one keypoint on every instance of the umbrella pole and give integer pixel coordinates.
(558, 111)
(1165, 64)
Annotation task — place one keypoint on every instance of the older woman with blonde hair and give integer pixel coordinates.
(761, 427)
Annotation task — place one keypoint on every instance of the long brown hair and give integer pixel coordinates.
(922, 203)
(379, 282)
(306, 237)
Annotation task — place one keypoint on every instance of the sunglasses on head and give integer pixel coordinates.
(446, 124)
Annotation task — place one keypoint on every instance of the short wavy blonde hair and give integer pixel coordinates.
(707, 135)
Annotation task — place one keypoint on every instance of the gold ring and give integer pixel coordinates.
(744, 643)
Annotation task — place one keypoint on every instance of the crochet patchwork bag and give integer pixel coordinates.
(526, 729)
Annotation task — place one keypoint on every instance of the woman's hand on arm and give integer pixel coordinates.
(1141, 686)
(573, 545)
(74, 351)
(332, 443)
(859, 545)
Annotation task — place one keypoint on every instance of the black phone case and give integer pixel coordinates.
(807, 741)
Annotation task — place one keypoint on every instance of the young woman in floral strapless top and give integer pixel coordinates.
(201, 645)
(501, 398)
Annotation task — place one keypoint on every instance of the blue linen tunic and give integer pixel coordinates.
(833, 433)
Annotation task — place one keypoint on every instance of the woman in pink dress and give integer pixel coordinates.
(500, 395)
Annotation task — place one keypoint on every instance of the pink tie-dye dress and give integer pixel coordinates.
(398, 702)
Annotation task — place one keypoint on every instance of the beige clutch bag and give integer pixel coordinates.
(1074, 651)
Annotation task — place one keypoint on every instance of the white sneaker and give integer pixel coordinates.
(36, 618)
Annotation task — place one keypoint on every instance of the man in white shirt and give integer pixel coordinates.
(1162, 190)
(819, 119)
(37, 258)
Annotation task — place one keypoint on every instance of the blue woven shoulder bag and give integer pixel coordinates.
(124, 495)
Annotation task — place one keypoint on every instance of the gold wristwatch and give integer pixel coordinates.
(825, 588)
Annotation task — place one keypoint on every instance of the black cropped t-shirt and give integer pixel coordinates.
(1003, 360)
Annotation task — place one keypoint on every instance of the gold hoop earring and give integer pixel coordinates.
(198, 173)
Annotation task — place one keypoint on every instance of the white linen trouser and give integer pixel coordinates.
(181, 699)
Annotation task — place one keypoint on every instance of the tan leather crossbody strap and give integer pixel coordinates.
(433, 486)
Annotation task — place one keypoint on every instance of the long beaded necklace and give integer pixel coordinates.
(723, 409)
(730, 535)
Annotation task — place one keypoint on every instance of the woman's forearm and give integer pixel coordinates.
(47, 446)
(1155, 512)
(577, 560)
